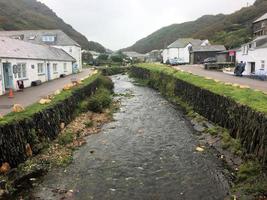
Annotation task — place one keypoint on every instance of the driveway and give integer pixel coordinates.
(227, 78)
(34, 94)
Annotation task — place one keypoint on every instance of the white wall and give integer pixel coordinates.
(182, 54)
(32, 72)
(75, 52)
(255, 55)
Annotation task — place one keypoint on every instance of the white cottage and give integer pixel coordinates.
(180, 49)
(254, 54)
(23, 61)
(53, 38)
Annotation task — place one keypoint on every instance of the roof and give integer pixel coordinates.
(183, 42)
(133, 54)
(35, 37)
(209, 48)
(11, 48)
(263, 17)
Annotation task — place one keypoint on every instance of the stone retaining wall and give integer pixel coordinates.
(42, 126)
(243, 122)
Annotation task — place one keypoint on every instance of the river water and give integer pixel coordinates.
(147, 153)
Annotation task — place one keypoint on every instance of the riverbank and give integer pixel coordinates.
(57, 151)
(147, 152)
(195, 94)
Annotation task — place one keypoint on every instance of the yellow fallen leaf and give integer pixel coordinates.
(199, 149)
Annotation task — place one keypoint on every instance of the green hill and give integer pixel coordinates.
(31, 14)
(230, 30)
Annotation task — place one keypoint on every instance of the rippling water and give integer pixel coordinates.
(148, 152)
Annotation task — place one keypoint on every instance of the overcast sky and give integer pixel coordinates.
(120, 23)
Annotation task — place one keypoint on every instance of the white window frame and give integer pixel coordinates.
(48, 38)
(262, 64)
(40, 68)
(65, 67)
(22, 71)
(55, 69)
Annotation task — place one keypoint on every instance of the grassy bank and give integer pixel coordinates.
(37, 107)
(255, 99)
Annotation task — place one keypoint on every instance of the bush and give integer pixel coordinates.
(65, 138)
(105, 82)
(101, 100)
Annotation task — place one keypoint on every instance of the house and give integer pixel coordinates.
(27, 62)
(254, 55)
(260, 26)
(180, 49)
(154, 56)
(135, 56)
(199, 53)
(227, 56)
(53, 38)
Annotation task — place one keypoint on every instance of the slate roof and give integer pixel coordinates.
(263, 17)
(208, 48)
(183, 42)
(133, 54)
(11, 48)
(35, 37)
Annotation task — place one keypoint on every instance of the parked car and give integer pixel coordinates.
(174, 61)
(210, 60)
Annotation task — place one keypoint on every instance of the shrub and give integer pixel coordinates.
(101, 100)
(65, 138)
(105, 82)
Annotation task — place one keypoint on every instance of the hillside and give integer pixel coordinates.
(31, 14)
(231, 30)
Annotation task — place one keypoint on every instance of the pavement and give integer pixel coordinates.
(34, 94)
(224, 77)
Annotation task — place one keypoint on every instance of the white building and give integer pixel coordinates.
(180, 49)
(254, 54)
(54, 38)
(23, 61)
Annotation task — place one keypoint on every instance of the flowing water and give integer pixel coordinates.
(147, 153)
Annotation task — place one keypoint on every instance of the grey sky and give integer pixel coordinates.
(120, 23)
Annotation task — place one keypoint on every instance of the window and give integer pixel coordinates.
(262, 64)
(263, 24)
(21, 71)
(245, 49)
(65, 67)
(49, 38)
(40, 67)
(55, 68)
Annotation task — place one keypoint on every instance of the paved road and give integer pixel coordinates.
(34, 94)
(146, 153)
(199, 70)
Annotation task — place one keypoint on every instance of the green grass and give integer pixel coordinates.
(36, 107)
(254, 99)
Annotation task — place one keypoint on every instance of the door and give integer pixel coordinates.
(48, 71)
(252, 65)
(8, 76)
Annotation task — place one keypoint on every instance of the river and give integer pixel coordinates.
(147, 153)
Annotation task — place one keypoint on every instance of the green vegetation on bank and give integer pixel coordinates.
(255, 99)
(37, 107)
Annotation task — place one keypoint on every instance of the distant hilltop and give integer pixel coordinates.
(34, 15)
(231, 30)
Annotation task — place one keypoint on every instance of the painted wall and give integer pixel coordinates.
(181, 53)
(32, 71)
(256, 55)
(75, 52)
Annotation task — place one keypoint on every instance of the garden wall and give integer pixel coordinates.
(243, 122)
(42, 126)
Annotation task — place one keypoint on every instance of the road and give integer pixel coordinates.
(147, 153)
(34, 94)
(199, 70)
